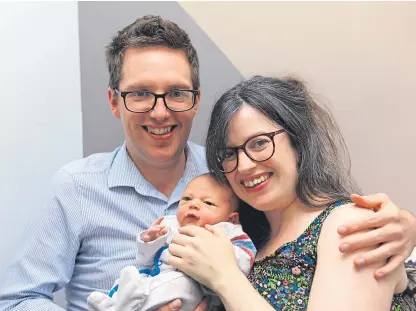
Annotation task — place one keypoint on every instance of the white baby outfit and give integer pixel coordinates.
(159, 283)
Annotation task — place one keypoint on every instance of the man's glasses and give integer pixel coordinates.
(258, 148)
(144, 101)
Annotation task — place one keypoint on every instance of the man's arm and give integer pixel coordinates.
(45, 261)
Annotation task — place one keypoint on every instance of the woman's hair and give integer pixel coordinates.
(323, 162)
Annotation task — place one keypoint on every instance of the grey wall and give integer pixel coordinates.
(98, 22)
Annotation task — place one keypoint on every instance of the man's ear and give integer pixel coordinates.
(112, 98)
(197, 100)
(234, 218)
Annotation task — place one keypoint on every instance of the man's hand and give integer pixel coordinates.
(391, 230)
(155, 231)
(177, 304)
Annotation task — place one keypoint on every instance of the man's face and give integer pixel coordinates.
(158, 70)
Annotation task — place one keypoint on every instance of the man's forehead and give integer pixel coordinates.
(156, 68)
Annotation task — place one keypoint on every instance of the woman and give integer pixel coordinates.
(283, 156)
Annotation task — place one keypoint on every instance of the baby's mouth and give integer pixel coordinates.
(191, 215)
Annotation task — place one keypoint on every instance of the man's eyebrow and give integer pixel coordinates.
(144, 86)
(136, 87)
(179, 86)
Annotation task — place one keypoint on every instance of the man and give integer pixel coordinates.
(86, 234)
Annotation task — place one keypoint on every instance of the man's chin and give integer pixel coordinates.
(164, 155)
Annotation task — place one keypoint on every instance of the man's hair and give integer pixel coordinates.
(149, 31)
(323, 162)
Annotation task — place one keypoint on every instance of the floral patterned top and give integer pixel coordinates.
(285, 277)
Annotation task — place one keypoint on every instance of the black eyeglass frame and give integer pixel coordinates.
(243, 147)
(163, 96)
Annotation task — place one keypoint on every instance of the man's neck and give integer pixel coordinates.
(164, 176)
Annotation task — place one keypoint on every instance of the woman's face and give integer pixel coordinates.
(264, 185)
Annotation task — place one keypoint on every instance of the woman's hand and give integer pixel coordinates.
(392, 228)
(205, 254)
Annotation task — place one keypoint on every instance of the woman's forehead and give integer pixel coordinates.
(246, 123)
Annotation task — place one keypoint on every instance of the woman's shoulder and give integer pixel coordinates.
(329, 239)
(343, 213)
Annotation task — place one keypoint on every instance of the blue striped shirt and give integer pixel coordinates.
(86, 234)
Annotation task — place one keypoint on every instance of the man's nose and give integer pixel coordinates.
(159, 111)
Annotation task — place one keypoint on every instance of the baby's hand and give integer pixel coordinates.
(155, 231)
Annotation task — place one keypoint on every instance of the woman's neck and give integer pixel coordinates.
(287, 224)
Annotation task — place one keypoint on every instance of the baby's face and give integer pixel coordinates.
(205, 202)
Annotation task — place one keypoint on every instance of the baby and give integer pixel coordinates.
(155, 282)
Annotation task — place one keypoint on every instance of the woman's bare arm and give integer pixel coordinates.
(337, 284)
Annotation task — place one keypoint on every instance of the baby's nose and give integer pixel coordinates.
(194, 205)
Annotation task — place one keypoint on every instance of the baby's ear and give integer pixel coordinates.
(234, 218)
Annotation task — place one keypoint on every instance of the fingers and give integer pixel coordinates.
(394, 262)
(176, 262)
(181, 257)
(154, 232)
(210, 228)
(372, 200)
(219, 232)
(173, 306)
(362, 201)
(158, 221)
(203, 305)
(192, 231)
(372, 221)
(370, 238)
(177, 250)
(163, 231)
(181, 239)
(380, 254)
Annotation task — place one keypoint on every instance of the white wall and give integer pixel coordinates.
(40, 107)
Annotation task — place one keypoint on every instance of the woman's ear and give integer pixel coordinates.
(234, 218)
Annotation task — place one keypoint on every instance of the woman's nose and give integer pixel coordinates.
(245, 164)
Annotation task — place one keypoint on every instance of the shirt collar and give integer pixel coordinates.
(124, 173)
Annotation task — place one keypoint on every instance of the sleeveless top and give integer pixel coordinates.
(285, 277)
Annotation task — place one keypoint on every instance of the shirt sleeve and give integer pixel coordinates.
(244, 249)
(146, 250)
(45, 260)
